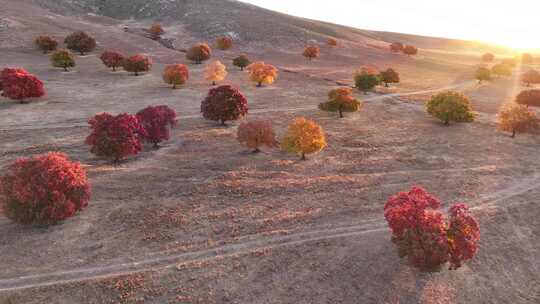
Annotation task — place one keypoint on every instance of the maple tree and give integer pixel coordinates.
(501, 69)
(482, 74)
(530, 77)
(20, 85)
(529, 98)
(396, 47)
(516, 118)
(241, 61)
(199, 53)
(46, 43)
(137, 64)
(389, 76)
(224, 43)
(62, 59)
(112, 59)
(410, 50)
(156, 30)
(450, 106)
(311, 52)
(341, 100)
(80, 42)
(332, 42)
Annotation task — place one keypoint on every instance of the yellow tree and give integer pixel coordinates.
(215, 71)
(262, 73)
(303, 137)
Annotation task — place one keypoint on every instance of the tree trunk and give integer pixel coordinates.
(136, 73)
(156, 145)
(513, 133)
(259, 84)
(340, 113)
(222, 122)
(257, 150)
(22, 101)
(447, 122)
(114, 68)
(241, 68)
(65, 68)
(386, 84)
(213, 83)
(303, 156)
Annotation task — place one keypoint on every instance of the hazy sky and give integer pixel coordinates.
(513, 23)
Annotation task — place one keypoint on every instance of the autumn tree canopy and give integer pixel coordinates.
(311, 52)
(224, 103)
(365, 81)
(341, 100)
(530, 77)
(529, 98)
(199, 53)
(332, 42)
(488, 57)
(256, 134)
(112, 59)
(241, 61)
(410, 50)
(215, 71)
(516, 118)
(62, 59)
(138, 64)
(303, 136)
(176, 74)
(156, 30)
(501, 70)
(157, 122)
(396, 47)
(58, 189)
(425, 236)
(17, 84)
(482, 74)
(450, 106)
(262, 73)
(46, 43)
(115, 137)
(224, 43)
(389, 76)
(80, 42)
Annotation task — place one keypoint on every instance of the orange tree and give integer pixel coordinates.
(199, 53)
(215, 71)
(311, 52)
(257, 133)
(262, 73)
(341, 100)
(517, 118)
(450, 106)
(303, 136)
(46, 43)
(176, 74)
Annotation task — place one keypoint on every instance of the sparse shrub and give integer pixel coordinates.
(241, 61)
(512, 62)
(156, 30)
(450, 106)
(341, 100)
(332, 42)
(262, 73)
(257, 133)
(137, 64)
(396, 47)
(224, 43)
(44, 189)
(19, 85)
(482, 74)
(176, 74)
(311, 52)
(112, 59)
(421, 233)
(389, 76)
(488, 57)
(529, 98)
(365, 81)
(215, 71)
(527, 58)
(518, 118)
(303, 137)
(223, 104)
(199, 53)
(530, 77)
(157, 120)
(115, 137)
(62, 59)
(46, 43)
(501, 70)
(80, 42)
(410, 50)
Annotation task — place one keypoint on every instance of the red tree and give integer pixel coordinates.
(410, 50)
(156, 30)
(224, 103)
(115, 137)
(396, 47)
(19, 85)
(44, 189)
(529, 98)
(311, 52)
(422, 235)
(157, 120)
(137, 64)
(112, 59)
(199, 53)
(80, 42)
